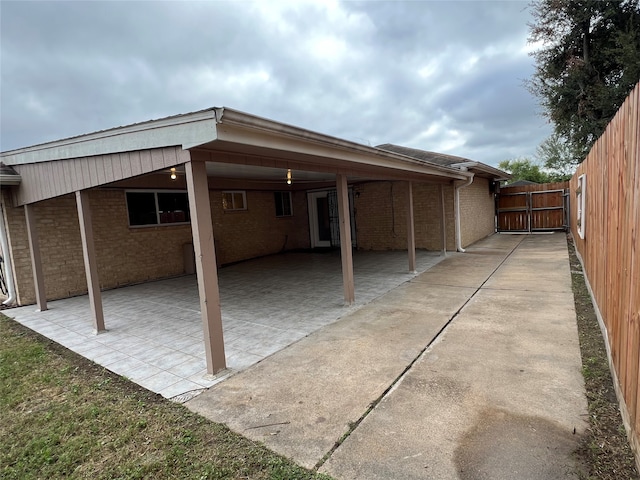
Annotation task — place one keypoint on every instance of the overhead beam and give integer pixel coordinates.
(206, 267)
(345, 239)
(36, 258)
(90, 262)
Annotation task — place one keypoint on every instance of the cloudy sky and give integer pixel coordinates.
(445, 76)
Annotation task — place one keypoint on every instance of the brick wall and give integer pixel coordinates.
(128, 255)
(257, 231)
(381, 216)
(477, 211)
(19, 254)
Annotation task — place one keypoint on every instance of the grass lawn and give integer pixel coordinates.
(64, 417)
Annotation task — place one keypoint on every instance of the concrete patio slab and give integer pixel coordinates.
(154, 331)
(336, 373)
(443, 377)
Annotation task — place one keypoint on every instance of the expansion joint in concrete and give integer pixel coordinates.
(398, 379)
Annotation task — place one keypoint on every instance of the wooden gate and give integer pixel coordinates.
(533, 208)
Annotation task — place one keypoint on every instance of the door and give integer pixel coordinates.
(324, 225)
(319, 219)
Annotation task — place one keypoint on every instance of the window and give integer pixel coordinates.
(283, 204)
(234, 200)
(146, 207)
(580, 202)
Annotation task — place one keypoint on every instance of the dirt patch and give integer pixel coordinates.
(604, 447)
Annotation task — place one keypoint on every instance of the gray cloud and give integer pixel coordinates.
(444, 76)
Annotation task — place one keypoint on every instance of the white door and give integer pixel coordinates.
(319, 220)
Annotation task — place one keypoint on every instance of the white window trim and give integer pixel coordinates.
(580, 203)
(244, 201)
(155, 197)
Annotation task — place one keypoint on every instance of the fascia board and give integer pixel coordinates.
(188, 131)
(237, 127)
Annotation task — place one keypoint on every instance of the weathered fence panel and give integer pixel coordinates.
(610, 249)
(529, 208)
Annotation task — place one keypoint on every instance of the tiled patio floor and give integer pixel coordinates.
(154, 332)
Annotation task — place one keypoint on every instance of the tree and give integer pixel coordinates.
(588, 64)
(555, 155)
(524, 169)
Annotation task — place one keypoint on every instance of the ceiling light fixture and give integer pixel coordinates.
(289, 179)
(173, 174)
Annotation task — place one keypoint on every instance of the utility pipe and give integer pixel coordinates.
(456, 197)
(11, 287)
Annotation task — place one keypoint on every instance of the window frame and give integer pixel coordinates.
(282, 194)
(155, 193)
(234, 209)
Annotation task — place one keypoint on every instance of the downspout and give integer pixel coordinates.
(456, 198)
(11, 287)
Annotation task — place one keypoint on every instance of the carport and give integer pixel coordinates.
(217, 148)
(155, 334)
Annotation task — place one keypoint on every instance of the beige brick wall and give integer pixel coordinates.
(128, 255)
(19, 254)
(477, 211)
(381, 216)
(257, 231)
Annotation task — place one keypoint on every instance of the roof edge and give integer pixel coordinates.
(231, 117)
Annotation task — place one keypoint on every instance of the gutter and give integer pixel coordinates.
(11, 287)
(458, 187)
(236, 118)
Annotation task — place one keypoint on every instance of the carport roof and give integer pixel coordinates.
(195, 130)
(229, 140)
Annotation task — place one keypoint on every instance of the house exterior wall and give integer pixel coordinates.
(381, 216)
(477, 211)
(256, 231)
(128, 255)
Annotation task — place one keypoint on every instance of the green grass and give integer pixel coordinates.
(65, 417)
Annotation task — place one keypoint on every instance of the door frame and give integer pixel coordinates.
(312, 198)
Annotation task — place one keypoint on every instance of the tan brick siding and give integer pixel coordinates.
(19, 254)
(381, 216)
(257, 231)
(477, 211)
(129, 255)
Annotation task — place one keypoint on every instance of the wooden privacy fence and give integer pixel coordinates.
(530, 208)
(605, 198)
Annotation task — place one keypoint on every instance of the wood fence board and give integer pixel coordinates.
(611, 247)
(531, 207)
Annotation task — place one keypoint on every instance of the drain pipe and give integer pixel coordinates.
(458, 187)
(11, 287)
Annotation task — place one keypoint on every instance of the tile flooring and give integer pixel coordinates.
(154, 330)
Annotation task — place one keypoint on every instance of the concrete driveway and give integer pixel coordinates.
(469, 371)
